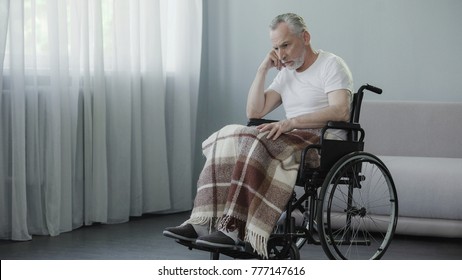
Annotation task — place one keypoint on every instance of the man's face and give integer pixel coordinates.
(289, 47)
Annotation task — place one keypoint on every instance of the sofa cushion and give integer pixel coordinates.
(429, 227)
(427, 187)
(405, 128)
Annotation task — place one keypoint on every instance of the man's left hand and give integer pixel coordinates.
(276, 128)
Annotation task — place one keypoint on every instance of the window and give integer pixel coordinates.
(72, 18)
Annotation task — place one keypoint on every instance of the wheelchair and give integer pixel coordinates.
(348, 204)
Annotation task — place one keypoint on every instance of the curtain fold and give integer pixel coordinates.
(97, 108)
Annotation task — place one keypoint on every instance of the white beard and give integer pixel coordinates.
(298, 62)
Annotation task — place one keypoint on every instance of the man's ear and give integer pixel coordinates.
(306, 37)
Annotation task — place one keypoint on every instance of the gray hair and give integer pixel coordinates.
(296, 23)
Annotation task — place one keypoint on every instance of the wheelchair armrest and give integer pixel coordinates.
(351, 127)
(343, 125)
(350, 142)
(257, 122)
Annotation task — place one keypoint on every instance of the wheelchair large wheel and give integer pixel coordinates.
(357, 208)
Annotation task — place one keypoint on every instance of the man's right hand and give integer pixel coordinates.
(272, 60)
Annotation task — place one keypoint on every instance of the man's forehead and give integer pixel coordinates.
(280, 34)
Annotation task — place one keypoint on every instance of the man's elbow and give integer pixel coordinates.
(343, 114)
(346, 116)
(253, 115)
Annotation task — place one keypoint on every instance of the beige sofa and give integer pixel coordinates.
(421, 144)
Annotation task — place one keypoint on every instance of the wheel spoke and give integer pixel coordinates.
(357, 208)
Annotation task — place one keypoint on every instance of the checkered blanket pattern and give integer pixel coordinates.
(247, 180)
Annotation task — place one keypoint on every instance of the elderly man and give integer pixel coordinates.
(250, 172)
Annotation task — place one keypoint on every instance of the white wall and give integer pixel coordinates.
(410, 48)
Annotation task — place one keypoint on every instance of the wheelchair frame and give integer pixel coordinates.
(349, 203)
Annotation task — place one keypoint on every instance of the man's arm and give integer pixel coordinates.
(338, 110)
(259, 101)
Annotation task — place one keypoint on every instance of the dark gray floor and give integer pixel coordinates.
(141, 239)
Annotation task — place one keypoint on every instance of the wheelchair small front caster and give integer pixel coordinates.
(281, 249)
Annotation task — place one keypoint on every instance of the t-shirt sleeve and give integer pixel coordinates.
(337, 76)
(276, 85)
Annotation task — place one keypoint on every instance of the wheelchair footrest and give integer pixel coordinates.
(241, 251)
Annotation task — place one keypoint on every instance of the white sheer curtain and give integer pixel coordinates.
(97, 111)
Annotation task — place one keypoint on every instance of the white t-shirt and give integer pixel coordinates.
(306, 92)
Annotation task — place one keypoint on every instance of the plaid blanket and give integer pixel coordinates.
(247, 181)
